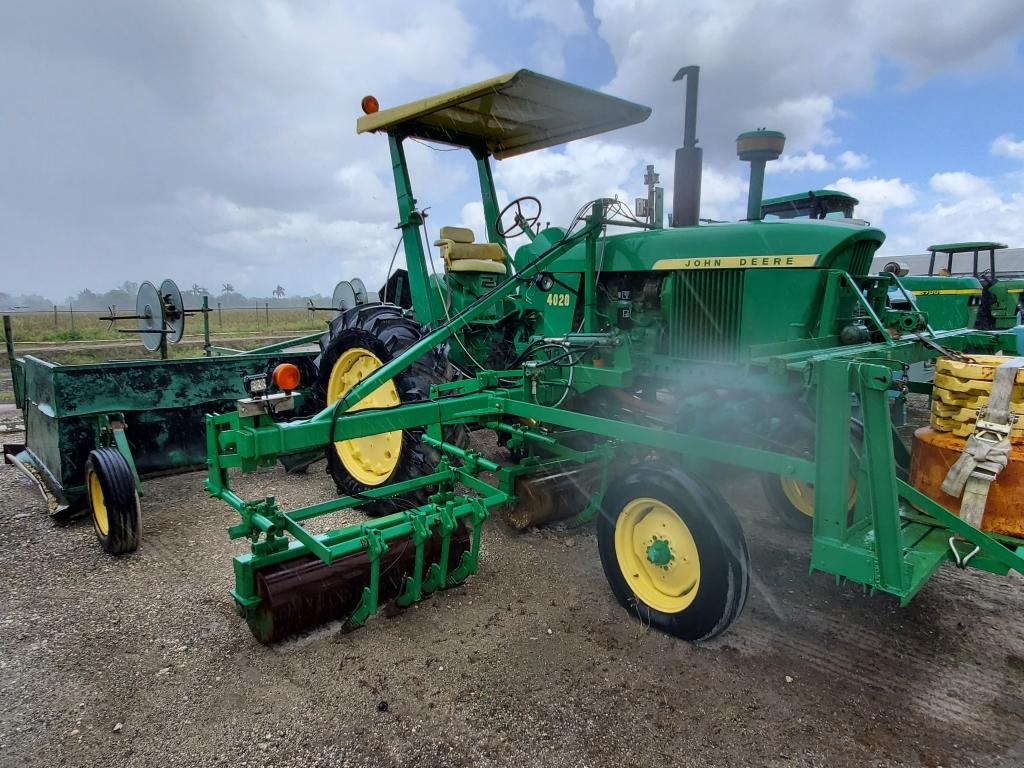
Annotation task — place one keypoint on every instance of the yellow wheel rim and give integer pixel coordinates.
(98, 504)
(373, 458)
(801, 495)
(657, 555)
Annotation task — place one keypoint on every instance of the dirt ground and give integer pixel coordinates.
(141, 660)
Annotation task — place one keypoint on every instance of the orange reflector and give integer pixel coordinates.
(287, 377)
(370, 104)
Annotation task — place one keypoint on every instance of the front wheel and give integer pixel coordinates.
(673, 552)
(791, 499)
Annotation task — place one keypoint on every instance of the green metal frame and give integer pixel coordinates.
(804, 324)
(150, 410)
(894, 541)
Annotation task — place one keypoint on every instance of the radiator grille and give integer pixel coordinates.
(863, 253)
(706, 314)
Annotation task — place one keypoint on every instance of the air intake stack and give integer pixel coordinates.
(757, 148)
(689, 158)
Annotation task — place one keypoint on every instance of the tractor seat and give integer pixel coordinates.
(461, 254)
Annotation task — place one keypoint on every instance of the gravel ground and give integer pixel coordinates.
(141, 660)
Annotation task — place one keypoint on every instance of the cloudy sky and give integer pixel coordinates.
(215, 142)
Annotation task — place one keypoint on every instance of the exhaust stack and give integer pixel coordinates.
(757, 148)
(689, 158)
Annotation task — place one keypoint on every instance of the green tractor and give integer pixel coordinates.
(622, 364)
(996, 298)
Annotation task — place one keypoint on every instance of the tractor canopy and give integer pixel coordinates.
(508, 115)
(953, 249)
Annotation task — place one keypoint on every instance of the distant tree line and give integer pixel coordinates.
(123, 297)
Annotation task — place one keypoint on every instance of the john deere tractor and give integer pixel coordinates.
(996, 297)
(623, 365)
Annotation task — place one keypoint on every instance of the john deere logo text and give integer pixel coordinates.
(739, 262)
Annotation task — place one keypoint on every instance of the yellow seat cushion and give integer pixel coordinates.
(461, 254)
(484, 251)
(457, 234)
(476, 265)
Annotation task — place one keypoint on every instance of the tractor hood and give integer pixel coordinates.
(743, 245)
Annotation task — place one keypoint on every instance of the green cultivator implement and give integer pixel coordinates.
(619, 363)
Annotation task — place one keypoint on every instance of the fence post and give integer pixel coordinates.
(54, 315)
(206, 325)
(266, 308)
(71, 309)
(220, 317)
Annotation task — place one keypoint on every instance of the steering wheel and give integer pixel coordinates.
(521, 222)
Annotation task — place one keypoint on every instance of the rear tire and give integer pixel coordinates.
(382, 332)
(113, 501)
(673, 552)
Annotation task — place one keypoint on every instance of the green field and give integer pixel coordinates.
(67, 339)
(88, 326)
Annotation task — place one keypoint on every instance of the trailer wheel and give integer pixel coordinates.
(359, 342)
(113, 501)
(673, 552)
(791, 499)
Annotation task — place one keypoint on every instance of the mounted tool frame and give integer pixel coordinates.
(753, 323)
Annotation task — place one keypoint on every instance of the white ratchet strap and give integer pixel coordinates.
(986, 453)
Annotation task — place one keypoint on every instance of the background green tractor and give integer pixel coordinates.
(629, 368)
(999, 302)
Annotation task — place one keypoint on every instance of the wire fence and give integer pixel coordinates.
(68, 323)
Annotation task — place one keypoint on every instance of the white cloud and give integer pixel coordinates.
(722, 195)
(565, 15)
(1008, 146)
(785, 64)
(853, 161)
(253, 105)
(877, 195)
(960, 184)
(566, 178)
(254, 244)
(992, 217)
(808, 161)
(563, 19)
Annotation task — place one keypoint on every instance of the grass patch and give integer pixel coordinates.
(30, 327)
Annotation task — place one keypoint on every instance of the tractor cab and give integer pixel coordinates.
(1001, 293)
(815, 204)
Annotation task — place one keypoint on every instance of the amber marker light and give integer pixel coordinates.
(287, 377)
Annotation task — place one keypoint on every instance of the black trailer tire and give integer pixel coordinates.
(113, 501)
(699, 587)
(383, 331)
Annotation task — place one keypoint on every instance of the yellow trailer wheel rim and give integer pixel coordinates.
(98, 504)
(372, 459)
(657, 555)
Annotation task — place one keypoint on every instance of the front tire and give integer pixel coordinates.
(791, 499)
(673, 552)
